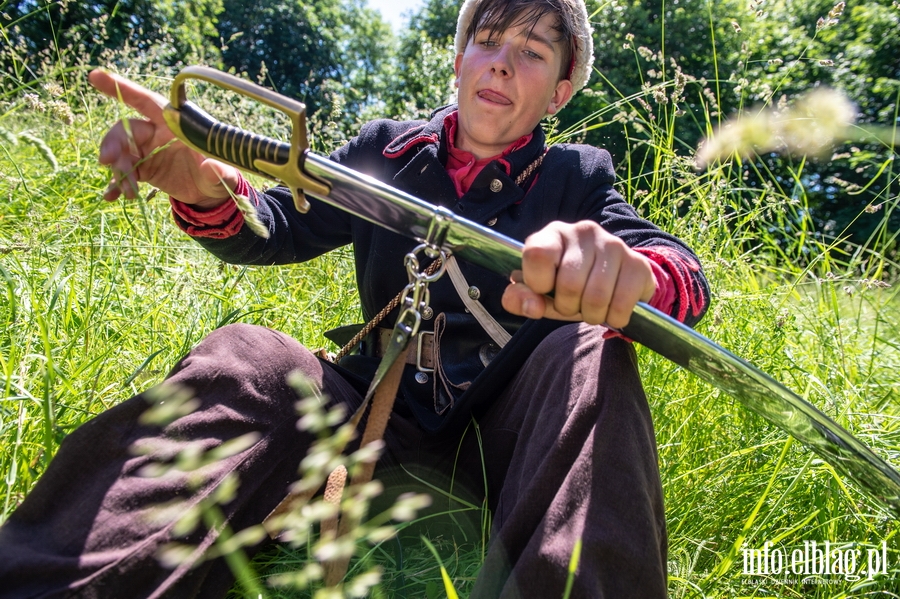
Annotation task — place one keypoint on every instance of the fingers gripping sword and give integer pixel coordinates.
(307, 173)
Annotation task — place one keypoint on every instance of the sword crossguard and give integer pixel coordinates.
(247, 151)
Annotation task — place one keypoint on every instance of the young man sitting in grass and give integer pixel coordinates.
(566, 450)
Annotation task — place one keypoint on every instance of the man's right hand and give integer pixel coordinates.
(150, 153)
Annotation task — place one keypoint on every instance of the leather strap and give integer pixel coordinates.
(500, 336)
(419, 354)
(382, 406)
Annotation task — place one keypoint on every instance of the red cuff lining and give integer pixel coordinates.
(220, 222)
(678, 270)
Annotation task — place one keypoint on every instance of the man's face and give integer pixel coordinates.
(507, 82)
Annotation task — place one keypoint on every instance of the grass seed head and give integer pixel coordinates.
(832, 18)
(659, 95)
(43, 149)
(837, 11)
(250, 216)
(33, 101)
(810, 127)
(54, 89)
(59, 109)
(8, 137)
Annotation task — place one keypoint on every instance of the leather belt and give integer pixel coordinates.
(420, 352)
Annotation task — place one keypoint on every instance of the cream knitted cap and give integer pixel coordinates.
(584, 43)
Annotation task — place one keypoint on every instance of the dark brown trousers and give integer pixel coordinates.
(567, 452)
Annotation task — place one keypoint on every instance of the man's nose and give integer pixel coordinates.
(502, 62)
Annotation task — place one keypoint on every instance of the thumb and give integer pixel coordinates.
(221, 179)
(148, 103)
(519, 299)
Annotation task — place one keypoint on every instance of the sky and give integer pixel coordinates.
(393, 10)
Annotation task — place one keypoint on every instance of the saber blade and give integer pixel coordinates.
(770, 399)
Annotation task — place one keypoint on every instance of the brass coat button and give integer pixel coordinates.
(496, 185)
(474, 292)
(492, 222)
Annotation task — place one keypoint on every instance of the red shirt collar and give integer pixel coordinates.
(451, 122)
(462, 166)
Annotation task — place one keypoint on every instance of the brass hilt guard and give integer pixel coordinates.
(242, 149)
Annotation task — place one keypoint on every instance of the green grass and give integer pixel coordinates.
(98, 300)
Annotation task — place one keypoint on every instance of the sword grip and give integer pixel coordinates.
(228, 143)
(248, 151)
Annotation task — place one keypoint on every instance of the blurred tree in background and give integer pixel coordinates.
(300, 48)
(47, 29)
(424, 60)
(293, 47)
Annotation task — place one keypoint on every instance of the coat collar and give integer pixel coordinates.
(423, 148)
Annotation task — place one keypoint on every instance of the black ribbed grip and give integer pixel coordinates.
(228, 143)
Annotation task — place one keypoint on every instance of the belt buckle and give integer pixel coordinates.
(419, 344)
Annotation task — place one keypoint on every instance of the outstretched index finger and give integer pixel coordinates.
(148, 103)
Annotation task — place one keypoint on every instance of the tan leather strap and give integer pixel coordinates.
(420, 353)
(382, 406)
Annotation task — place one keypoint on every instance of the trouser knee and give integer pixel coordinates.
(248, 362)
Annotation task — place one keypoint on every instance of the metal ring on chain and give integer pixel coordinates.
(412, 264)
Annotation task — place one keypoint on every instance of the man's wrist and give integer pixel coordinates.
(208, 204)
(221, 221)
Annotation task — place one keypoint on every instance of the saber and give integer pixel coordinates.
(304, 172)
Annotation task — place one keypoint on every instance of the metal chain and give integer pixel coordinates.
(432, 268)
(370, 326)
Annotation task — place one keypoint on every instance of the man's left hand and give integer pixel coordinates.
(593, 275)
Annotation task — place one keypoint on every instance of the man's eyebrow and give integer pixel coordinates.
(541, 39)
(530, 34)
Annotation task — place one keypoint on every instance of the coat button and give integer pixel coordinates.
(492, 222)
(421, 378)
(474, 292)
(427, 313)
(496, 185)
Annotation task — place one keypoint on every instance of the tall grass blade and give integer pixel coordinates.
(448, 584)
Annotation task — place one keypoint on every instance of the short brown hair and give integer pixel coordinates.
(497, 16)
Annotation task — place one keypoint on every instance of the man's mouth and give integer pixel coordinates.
(492, 96)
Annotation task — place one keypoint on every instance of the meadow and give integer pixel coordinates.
(98, 300)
